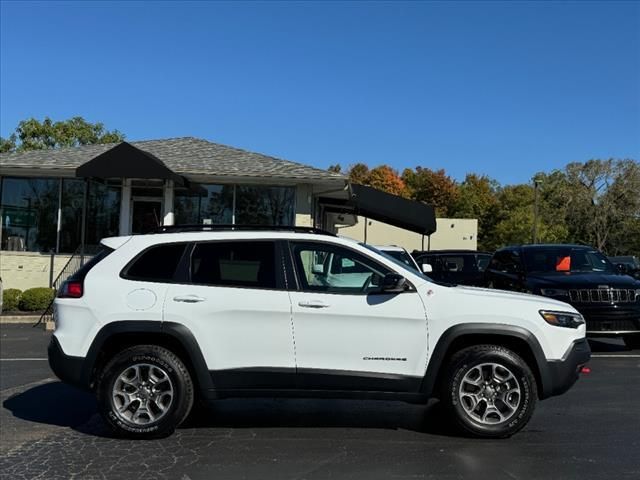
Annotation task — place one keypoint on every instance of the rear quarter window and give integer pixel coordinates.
(156, 264)
(92, 262)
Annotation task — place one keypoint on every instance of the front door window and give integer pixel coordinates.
(333, 269)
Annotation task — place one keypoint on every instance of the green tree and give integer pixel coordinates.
(478, 198)
(8, 144)
(603, 197)
(33, 134)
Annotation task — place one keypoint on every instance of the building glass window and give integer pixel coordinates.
(213, 205)
(217, 205)
(71, 219)
(29, 213)
(103, 212)
(259, 205)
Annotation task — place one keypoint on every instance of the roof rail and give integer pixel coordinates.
(244, 228)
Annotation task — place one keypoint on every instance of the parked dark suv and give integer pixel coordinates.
(464, 267)
(576, 274)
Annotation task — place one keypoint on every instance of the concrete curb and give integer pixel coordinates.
(7, 319)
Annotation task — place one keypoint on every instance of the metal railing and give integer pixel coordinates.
(81, 256)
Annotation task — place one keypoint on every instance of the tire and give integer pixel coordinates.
(485, 411)
(144, 392)
(632, 341)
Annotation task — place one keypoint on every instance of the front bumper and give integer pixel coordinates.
(562, 374)
(611, 320)
(67, 368)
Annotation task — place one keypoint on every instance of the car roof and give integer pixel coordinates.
(448, 252)
(195, 236)
(546, 245)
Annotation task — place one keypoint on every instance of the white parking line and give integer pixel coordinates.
(615, 356)
(22, 359)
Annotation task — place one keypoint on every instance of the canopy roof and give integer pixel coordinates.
(378, 205)
(126, 161)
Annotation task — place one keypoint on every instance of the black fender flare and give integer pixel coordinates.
(176, 331)
(437, 358)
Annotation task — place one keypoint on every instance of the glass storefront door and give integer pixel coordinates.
(146, 215)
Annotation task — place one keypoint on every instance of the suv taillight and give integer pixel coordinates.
(71, 289)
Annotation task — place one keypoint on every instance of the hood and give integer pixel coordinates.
(581, 280)
(503, 295)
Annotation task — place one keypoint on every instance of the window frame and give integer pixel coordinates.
(296, 274)
(279, 266)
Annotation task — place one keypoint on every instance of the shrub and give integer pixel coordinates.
(10, 299)
(35, 299)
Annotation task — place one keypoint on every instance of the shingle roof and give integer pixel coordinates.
(185, 156)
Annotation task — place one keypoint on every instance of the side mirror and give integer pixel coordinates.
(427, 268)
(393, 283)
(622, 268)
(317, 269)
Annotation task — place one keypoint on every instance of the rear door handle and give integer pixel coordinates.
(313, 304)
(189, 299)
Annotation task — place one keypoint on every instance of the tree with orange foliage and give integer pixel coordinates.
(387, 179)
(434, 187)
(382, 177)
(359, 173)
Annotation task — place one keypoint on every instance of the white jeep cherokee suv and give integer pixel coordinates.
(154, 321)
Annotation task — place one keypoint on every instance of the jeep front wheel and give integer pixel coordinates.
(489, 391)
(145, 391)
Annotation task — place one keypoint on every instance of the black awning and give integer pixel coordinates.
(126, 161)
(378, 205)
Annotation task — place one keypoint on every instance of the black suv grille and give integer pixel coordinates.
(604, 295)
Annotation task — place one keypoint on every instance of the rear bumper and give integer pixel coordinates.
(562, 374)
(67, 368)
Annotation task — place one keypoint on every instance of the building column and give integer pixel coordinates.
(125, 207)
(168, 216)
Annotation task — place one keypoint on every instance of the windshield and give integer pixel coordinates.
(401, 263)
(402, 256)
(566, 259)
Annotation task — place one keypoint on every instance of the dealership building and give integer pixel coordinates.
(60, 202)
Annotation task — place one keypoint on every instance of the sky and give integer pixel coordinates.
(505, 89)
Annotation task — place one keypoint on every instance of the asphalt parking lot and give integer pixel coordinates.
(49, 430)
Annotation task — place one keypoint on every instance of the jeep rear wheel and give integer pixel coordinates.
(489, 391)
(145, 391)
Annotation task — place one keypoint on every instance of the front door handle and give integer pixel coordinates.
(313, 304)
(189, 299)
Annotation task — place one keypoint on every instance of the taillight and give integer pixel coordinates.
(71, 289)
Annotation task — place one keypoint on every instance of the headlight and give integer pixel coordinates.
(554, 292)
(562, 319)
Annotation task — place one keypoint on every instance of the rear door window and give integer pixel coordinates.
(235, 264)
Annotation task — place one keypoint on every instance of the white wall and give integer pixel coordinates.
(24, 270)
(451, 233)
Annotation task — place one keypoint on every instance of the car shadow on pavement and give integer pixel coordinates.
(62, 405)
(267, 413)
(54, 404)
